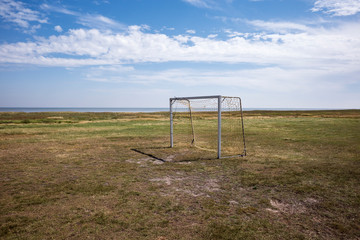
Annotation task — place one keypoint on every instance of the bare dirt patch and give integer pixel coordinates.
(144, 161)
(190, 185)
(290, 207)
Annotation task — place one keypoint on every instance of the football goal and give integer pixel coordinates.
(209, 123)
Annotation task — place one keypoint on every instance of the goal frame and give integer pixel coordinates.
(219, 111)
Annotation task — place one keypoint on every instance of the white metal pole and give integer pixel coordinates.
(171, 125)
(219, 126)
(242, 126)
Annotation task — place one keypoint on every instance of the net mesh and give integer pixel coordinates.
(195, 125)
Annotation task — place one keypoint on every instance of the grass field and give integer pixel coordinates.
(93, 176)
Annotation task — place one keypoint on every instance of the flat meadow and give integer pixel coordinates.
(67, 175)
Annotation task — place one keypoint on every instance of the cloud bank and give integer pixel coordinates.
(318, 48)
(337, 7)
(300, 58)
(17, 12)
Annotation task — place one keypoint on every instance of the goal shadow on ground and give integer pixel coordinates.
(147, 154)
(176, 154)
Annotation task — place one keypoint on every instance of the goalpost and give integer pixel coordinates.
(210, 123)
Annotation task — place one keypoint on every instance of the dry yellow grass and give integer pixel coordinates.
(112, 176)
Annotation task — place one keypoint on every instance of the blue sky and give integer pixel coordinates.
(139, 53)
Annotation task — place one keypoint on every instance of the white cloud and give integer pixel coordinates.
(209, 4)
(281, 27)
(337, 7)
(200, 3)
(100, 2)
(88, 20)
(320, 49)
(58, 9)
(271, 81)
(16, 12)
(277, 79)
(113, 73)
(58, 28)
(212, 35)
(99, 22)
(32, 29)
(167, 28)
(191, 31)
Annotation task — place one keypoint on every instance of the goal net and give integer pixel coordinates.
(210, 125)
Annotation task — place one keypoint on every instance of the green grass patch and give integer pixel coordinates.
(113, 176)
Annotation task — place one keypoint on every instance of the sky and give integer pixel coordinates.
(139, 53)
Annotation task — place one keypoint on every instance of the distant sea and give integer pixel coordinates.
(19, 109)
(84, 109)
